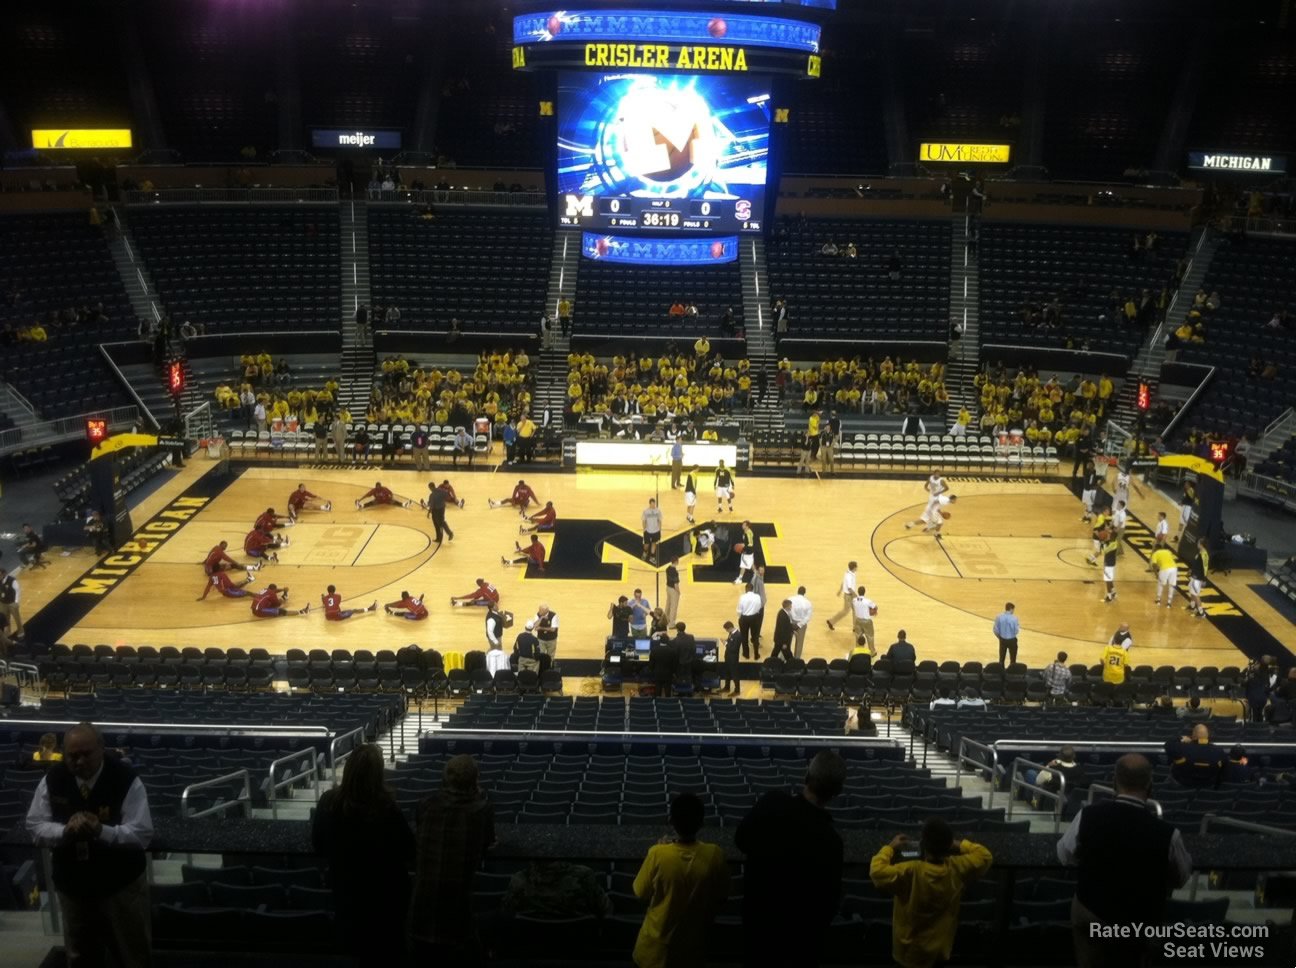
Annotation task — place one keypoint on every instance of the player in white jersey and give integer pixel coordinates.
(1119, 518)
(935, 486)
(936, 514)
(1124, 481)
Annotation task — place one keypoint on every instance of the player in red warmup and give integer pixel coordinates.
(270, 603)
(222, 582)
(542, 520)
(521, 498)
(532, 554)
(263, 544)
(333, 610)
(446, 488)
(486, 594)
(379, 495)
(303, 500)
(268, 521)
(217, 559)
(410, 608)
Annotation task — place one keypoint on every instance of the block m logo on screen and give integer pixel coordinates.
(579, 206)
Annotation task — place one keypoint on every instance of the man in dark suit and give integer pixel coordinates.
(784, 630)
(902, 655)
(732, 652)
(662, 663)
(685, 646)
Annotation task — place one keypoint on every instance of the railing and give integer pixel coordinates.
(230, 196)
(1192, 398)
(964, 757)
(198, 422)
(308, 756)
(1158, 334)
(356, 738)
(1262, 226)
(1097, 788)
(462, 196)
(26, 675)
(1268, 489)
(1103, 361)
(1018, 782)
(20, 401)
(64, 428)
(243, 802)
(1285, 423)
(126, 384)
(1214, 820)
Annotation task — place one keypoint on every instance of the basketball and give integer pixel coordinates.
(946, 515)
(739, 547)
(554, 25)
(1104, 535)
(717, 28)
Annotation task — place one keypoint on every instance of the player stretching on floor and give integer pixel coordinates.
(542, 520)
(486, 594)
(410, 608)
(303, 500)
(270, 603)
(263, 544)
(724, 487)
(448, 490)
(269, 521)
(521, 499)
(532, 554)
(380, 495)
(333, 610)
(217, 560)
(222, 582)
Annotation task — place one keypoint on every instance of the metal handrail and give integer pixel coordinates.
(1212, 819)
(963, 757)
(308, 755)
(461, 196)
(1110, 746)
(121, 378)
(1192, 398)
(1262, 486)
(243, 801)
(62, 428)
(334, 759)
(1095, 788)
(26, 674)
(231, 196)
(234, 729)
(1016, 783)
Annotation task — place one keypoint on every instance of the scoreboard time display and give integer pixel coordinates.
(662, 152)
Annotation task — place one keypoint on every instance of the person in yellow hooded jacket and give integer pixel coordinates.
(927, 892)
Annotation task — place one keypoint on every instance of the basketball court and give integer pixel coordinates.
(1007, 540)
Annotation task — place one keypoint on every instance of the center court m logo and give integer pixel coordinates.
(589, 549)
(143, 543)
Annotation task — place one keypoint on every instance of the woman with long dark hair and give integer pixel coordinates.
(369, 847)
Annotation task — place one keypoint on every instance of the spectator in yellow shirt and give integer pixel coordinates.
(928, 891)
(684, 883)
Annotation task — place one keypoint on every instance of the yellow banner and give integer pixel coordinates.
(1197, 465)
(982, 154)
(81, 138)
(122, 441)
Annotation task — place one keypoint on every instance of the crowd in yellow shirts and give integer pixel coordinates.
(499, 387)
(676, 383)
(1047, 411)
(270, 385)
(865, 385)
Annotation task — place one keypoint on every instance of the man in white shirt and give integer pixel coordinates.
(802, 609)
(1162, 531)
(1120, 518)
(750, 608)
(10, 600)
(864, 609)
(497, 660)
(848, 585)
(94, 812)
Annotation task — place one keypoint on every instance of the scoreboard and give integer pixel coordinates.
(662, 152)
(724, 216)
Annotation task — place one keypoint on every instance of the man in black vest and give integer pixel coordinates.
(94, 812)
(1128, 859)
